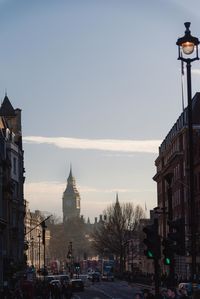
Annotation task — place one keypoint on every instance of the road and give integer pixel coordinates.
(108, 290)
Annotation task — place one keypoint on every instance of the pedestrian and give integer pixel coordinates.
(17, 292)
(45, 291)
(67, 291)
(196, 294)
(1, 292)
(171, 293)
(7, 293)
(55, 291)
(163, 294)
(138, 296)
(147, 294)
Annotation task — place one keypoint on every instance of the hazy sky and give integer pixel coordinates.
(99, 86)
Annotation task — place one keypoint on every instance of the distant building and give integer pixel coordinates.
(34, 239)
(12, 204)
(71, 199)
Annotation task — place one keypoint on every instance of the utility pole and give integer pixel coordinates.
(43, 224)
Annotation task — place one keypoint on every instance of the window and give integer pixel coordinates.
(199, 180)
(195, 182)
(14, 165)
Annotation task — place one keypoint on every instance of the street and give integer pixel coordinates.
(99, 149)
(108, 290)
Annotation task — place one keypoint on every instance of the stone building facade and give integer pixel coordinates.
(12, 204)
(173, 161)
(34, 240)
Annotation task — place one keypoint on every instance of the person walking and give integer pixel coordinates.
(172, 293)
(137, 296)
(196, 294)
(68, 291)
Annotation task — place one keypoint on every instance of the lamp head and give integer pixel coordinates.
(187, 43)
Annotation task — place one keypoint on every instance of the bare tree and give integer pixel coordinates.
(120, 221)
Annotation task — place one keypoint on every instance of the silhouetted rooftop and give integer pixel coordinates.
(6, 108)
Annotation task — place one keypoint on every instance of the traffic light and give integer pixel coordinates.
(167, 251)
(152, 241)
(77, 266)
(177, 235)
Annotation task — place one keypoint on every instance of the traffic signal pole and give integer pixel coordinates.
(157, 268)
(153, 251)
(168, 178)
(157, 278)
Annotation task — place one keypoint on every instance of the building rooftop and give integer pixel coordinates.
(6, 108)
(182, 122)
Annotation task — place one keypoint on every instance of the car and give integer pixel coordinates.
(84, 278)
(95, 276)
(77, 284)
(63, 278)
(188, 286)
(108, 277)
(49, 278)
(55, 282)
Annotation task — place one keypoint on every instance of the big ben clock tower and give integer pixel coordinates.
(71, 199)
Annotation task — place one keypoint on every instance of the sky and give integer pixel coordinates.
(99, 85)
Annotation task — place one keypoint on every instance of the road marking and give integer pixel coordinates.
(76, 297)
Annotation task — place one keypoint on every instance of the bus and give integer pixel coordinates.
(108, 270)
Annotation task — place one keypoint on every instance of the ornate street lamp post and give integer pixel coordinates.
(188, 52)
(39, 237)
(32, 251)
(43, 224)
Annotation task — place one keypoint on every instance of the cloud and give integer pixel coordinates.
(47, 196)
(87, 189)
(138, 146)
(56, 188)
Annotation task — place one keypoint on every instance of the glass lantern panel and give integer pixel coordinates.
(188, 48)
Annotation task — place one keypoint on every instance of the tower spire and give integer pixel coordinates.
(117, 198)
(70, 177)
